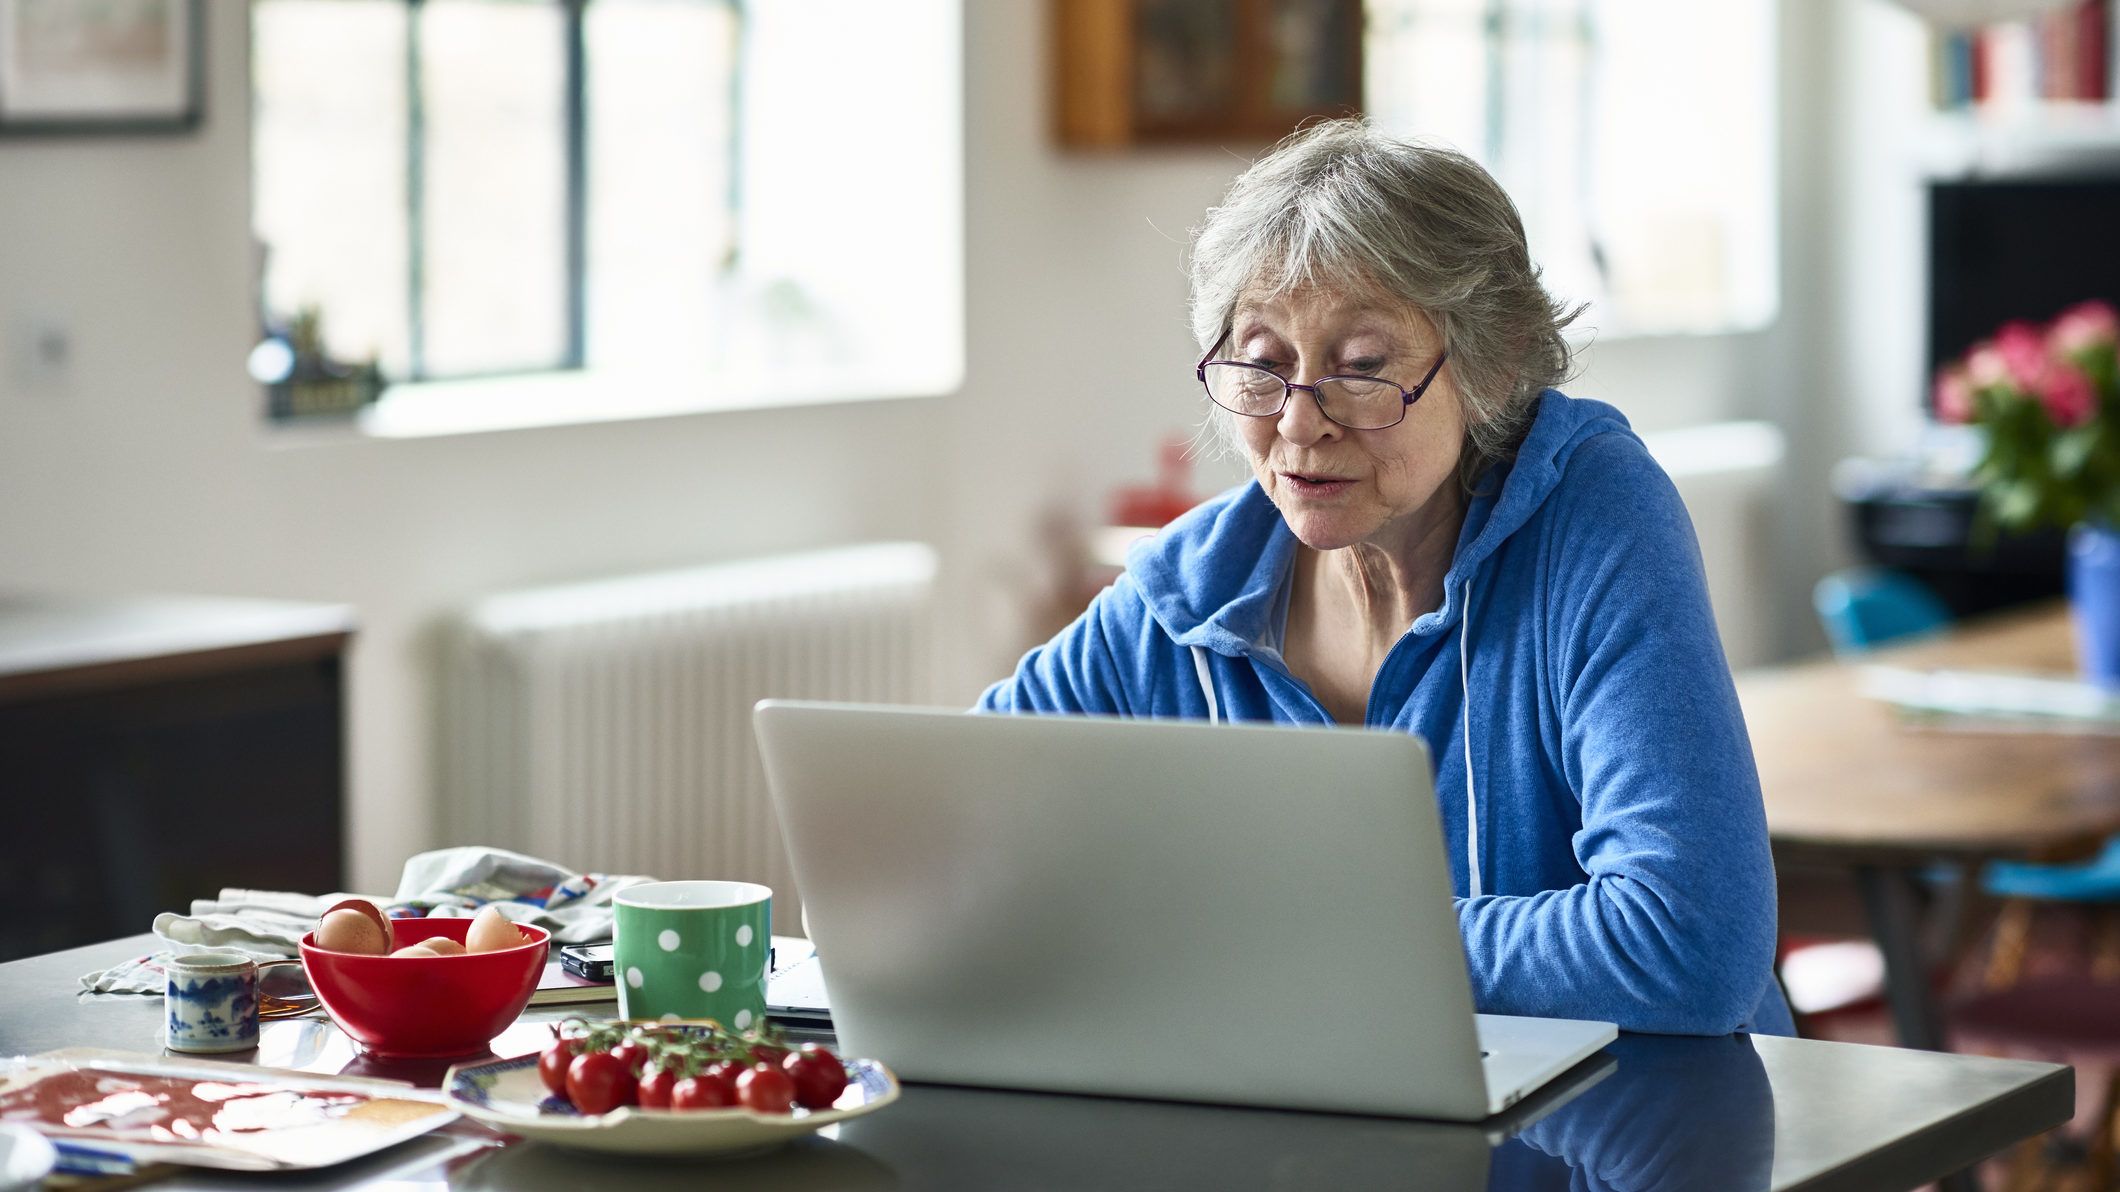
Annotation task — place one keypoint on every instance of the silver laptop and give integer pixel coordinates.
(1240, 914)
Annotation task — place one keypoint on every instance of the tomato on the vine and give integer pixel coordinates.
(656, 1085)
(818, 1075)
(552, 1063)
(766, 1053)
(696, 1092)
(765, 1089)
(633, 1054)
(599, 1083)
(724, 1073)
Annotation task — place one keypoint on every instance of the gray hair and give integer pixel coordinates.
(1341, 204)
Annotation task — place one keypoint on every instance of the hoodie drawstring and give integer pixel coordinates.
(1207, 685)
(1472, 798)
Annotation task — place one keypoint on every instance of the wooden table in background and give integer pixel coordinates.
(1845, 782)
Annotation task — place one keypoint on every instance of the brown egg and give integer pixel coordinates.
(418, 949)
(368, 911)
(442, 945)
(491, 931)
(348, 930)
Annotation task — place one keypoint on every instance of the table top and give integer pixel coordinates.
(1652, 1113)
(1840, 773)
(54, 645)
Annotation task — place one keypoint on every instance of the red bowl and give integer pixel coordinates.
(427, 1007)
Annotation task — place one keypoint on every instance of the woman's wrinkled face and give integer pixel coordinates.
(1337, 487)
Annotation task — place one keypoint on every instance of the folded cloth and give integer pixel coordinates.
(446, 883)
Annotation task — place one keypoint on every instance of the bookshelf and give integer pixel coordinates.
(2037, 138)
(2031, 93)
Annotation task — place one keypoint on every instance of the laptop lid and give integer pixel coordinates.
(1242, 914)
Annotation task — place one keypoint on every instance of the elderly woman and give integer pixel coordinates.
(1437, 542)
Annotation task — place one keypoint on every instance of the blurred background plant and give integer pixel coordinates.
(2047, 402)
(302, 379)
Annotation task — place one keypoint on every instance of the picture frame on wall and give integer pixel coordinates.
(100, 66)
(1228, 72)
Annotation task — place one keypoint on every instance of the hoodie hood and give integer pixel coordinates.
(1230, 601)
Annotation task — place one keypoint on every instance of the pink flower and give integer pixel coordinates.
(1986, 368)
(1954, 396)
(2067, 395)
(2023, 352)
(2086, 325)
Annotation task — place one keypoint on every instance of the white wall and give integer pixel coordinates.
(149, 470)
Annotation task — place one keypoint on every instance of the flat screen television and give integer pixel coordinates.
(2017, 248)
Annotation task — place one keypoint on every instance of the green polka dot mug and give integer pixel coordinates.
(693, 950)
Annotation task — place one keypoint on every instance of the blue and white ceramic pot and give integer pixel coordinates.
(2094, 596)
(211, 1002)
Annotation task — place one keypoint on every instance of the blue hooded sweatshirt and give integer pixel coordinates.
(1598, 797)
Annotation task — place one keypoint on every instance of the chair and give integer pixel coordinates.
(2093, 886)
(2067, 1019)
(1866, 607)
(2073, 1017)
(1861, 609)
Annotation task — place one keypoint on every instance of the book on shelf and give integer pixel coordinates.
(2063, 55)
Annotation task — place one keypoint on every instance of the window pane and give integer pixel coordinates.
(660, 122)
(1684, 187)
(328, 155)
(493, 78)
(1426, 70)
(1546, 137)
(1640, 156)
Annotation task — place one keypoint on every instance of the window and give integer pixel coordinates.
(1636, 136)
(634, 203)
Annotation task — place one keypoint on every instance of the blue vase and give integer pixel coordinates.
(2094, 595)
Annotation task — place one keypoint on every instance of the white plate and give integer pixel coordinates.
(25, 1158)
(509, 1096)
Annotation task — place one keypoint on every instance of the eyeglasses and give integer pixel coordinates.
(1357, 403)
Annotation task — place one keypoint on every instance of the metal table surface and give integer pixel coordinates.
(1652, 1112)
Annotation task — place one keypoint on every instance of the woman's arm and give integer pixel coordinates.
(1674, 929)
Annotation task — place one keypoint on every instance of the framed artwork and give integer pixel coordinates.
(1134, 72)
(100, 66)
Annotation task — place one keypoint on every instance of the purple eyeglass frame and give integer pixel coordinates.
(1407, 396)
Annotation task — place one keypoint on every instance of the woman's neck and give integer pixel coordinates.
(1387, 582)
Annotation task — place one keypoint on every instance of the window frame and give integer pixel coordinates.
(753, 259)
(574, 248)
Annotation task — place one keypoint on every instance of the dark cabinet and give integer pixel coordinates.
(154, 751)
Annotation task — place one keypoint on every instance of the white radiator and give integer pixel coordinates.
(608, 724)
